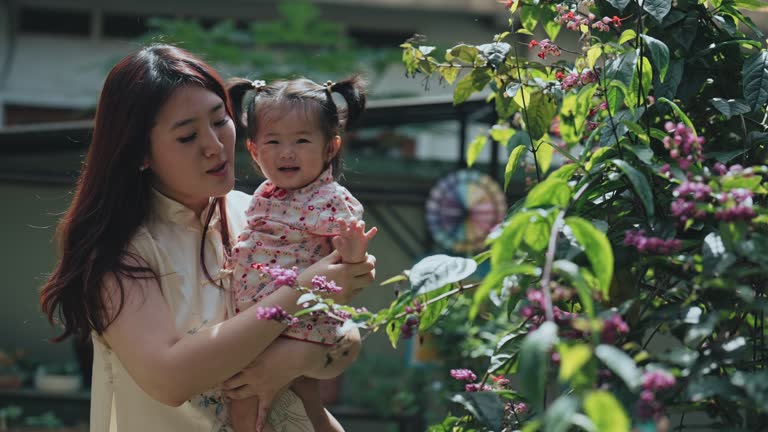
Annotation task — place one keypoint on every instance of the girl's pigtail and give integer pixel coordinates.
(352, 90)
(237, 88)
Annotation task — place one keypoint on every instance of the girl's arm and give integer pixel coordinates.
(172, 367)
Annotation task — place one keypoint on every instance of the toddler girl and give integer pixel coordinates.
(300, 213)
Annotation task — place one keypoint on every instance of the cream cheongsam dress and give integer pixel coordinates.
(170, 242)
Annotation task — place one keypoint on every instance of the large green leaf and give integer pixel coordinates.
(659, 54)
(475, 147)
(622, 68)
(607, 414)
(495, 52)
(730, 107)
(619, 4)
(484, 406)
(639, 184)
(434, 272)
(572, 359)
(552, 192)
(560, 414)
(536, 234)
(621, 364)
(512, 163)
(641, 83)
(755, 72)
(541, 111)
(573, 113)
(534, 361)
(506, 245)
(597, 248)
(657, 8)
(469, 84)
(544, 153)
(463, 53)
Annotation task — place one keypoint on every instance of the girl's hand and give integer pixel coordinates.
(351, 277)
(352, 241)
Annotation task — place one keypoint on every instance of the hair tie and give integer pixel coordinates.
(258, 85)
(329, 86)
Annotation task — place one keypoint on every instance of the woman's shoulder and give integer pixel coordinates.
(237, 204)
(238, 201)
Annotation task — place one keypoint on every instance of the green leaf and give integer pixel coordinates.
(469, 84)
(512, 164)
(393, 331)
(536, 234)
(621, 364)
(626, 36)
(593, 54)
(449, 73)
(484, 406)
(597, 248)
(502, 134)
(529, 18)
(432, 312)
(547, 14)
(558, 416)
(475, 147)
(541, 111)
(730, 107)
(606, 412)
(572, 358)
(749, 4)
(544, 153)
(534, 360)
(683, 117)
(565, 172)
(641, 83)
(755, 77)
(639, 184)
(657, 8)
(583, 289)
(623, 67)
(619, 4)
(549, 193)
(495, 280)
(434, 272)
(659, 54)
(463, 53)
(504, 247)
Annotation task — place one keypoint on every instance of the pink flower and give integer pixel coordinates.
(463, 375)
(281, 276)
(275, 313)
(320, 283)
(658, 380)
(471, 388)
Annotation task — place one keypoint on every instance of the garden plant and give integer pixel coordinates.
(627, 289)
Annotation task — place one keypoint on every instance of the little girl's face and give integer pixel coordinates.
(291, 150)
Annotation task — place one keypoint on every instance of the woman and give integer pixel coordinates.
(143, 247)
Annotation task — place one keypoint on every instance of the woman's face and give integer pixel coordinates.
(192, 148)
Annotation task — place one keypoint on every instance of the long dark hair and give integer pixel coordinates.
(298, 94)
(112, 196)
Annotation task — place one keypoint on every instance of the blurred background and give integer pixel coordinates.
(54, 55)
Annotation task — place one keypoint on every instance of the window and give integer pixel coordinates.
(54, 21)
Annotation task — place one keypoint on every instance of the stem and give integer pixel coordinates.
(525, 114)
(601, 80)
(744, 131)
(546, 278)
(442, 296)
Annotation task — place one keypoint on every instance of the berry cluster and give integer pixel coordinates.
(411, 325)
(653, 382)
(275, 313)
(683, 145)
(651, 245)
(546, 47)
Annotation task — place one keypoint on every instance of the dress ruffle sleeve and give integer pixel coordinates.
(333, 202)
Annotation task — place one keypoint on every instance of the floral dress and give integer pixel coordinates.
(291, 228)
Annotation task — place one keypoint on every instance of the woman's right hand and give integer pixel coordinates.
(352, 278)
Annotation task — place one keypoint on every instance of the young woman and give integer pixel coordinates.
(143, 249)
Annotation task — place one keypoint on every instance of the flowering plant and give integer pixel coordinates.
(628, 285)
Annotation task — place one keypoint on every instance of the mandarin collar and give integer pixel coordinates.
(170, 210)
(269, 190)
